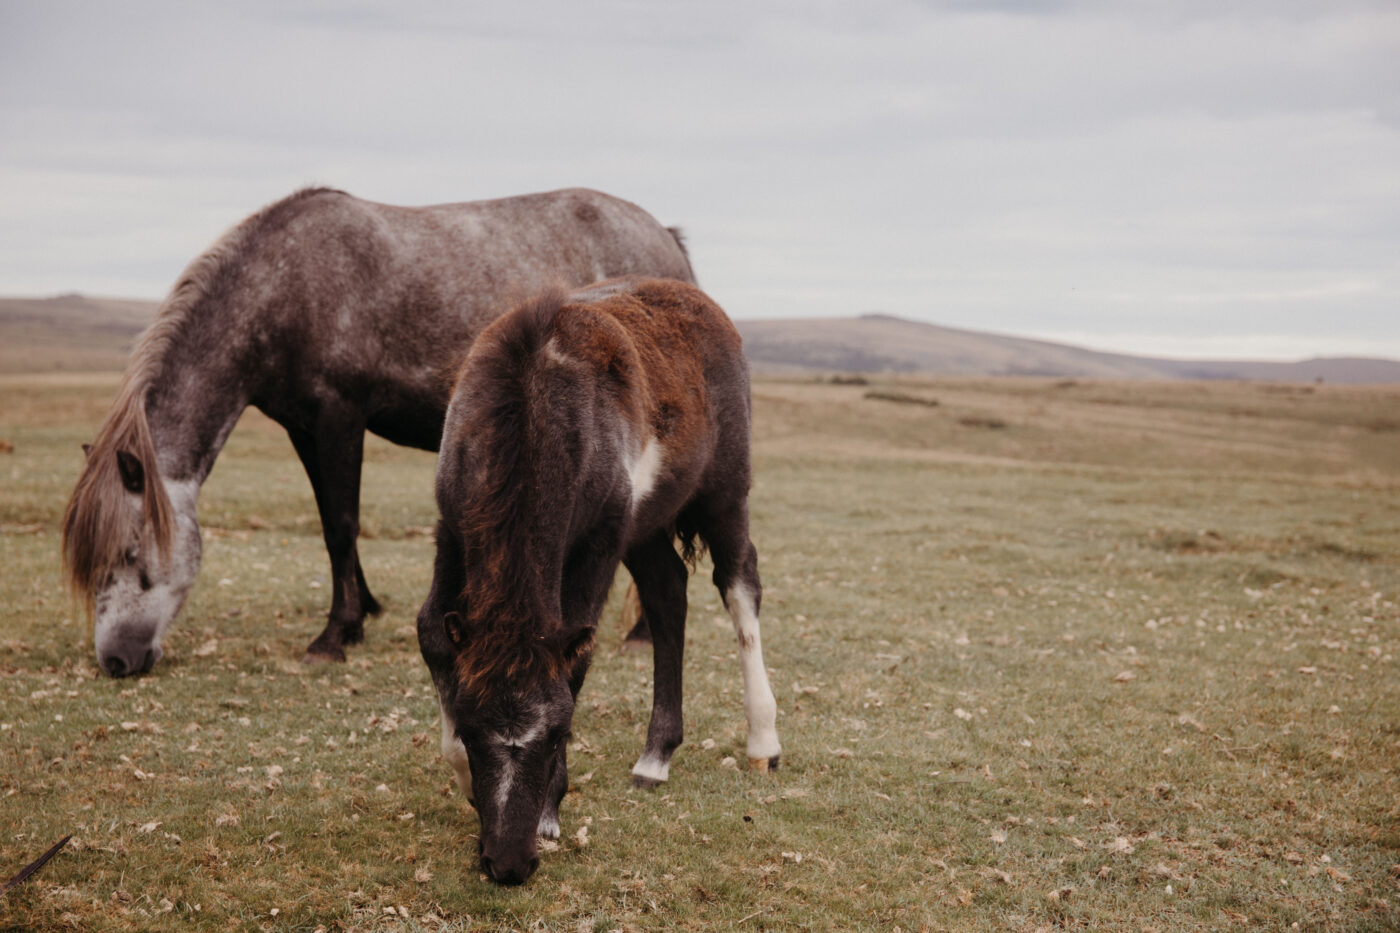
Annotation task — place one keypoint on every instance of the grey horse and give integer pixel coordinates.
(332, 315)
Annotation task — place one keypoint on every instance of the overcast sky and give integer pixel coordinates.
(1187, 179)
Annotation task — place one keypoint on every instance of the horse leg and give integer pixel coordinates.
(639, 635)
(660, 575)
(332, 457)
(558, 787)
(726, 531)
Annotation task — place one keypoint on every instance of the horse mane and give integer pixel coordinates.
(508, 643)
(96, 528)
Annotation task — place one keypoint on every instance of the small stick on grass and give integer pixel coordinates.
(35, 865)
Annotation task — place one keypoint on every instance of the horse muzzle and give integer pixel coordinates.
(509, 865)
(126, 658)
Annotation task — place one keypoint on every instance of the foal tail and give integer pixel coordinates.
(692, 544)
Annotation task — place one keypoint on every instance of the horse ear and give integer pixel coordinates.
(133, 473)
(456, 628)
(579, 642)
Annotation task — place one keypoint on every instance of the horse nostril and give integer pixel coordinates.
(511, 874)
(115, 666)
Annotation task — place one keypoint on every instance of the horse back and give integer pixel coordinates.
(378, 303)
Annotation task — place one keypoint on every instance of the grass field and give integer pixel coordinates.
(1048, 655)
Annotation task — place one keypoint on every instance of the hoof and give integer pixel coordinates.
(764, 765)
(320, 654)
(645, 783)
(636, 644)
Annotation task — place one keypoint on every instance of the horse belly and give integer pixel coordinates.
(417, 426)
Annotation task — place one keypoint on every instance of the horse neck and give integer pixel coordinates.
(193, 402)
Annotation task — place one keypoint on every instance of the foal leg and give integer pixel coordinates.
(661, 576)
(639, 635)
(558, 787)
(332, 455)
(726, 530)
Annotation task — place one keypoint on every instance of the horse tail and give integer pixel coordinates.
(96, 523)
(679, 236)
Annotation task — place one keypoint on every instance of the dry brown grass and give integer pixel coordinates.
(1128, 662)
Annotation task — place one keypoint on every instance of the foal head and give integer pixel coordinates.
(510, 706)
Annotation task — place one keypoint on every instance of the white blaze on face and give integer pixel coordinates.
(506, 746)
(643, 470)
(760, 707)
(454, 752)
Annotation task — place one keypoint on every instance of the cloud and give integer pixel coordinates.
(1027, 166)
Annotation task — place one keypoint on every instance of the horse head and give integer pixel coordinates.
(132, 549)
(507, 713)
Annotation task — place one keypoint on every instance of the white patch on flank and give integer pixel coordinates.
(643, 470)
(651, 767)
(455, 753)
(760, 707)
(555, 355)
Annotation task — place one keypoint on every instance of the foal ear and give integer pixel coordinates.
(579, 643)
(456, 628)
(133, 473)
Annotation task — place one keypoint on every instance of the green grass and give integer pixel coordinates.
(1126, 663)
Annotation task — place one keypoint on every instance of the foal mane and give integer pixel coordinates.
(511, 642)
(97, 528)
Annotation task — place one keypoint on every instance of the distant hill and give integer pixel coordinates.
(69, 332)
(874, 343)
(77, 332)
